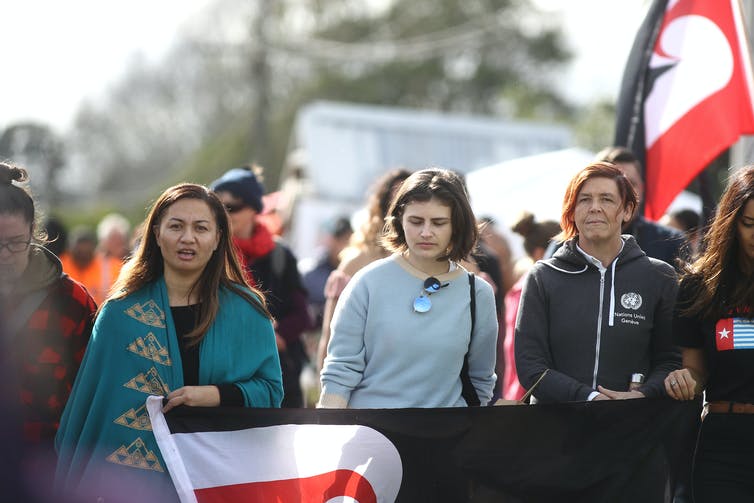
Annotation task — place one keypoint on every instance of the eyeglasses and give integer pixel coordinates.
(422, 304)
(15, 246)
(233, 208)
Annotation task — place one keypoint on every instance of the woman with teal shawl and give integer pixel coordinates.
(180, 322)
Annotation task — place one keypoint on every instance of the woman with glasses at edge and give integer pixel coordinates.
(402, 326)
(47, 319)
(714, 325)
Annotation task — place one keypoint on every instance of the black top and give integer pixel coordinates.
(656, 240)
(489, 263)
(276, 274)
(659, 241)
(728, 352)
(185, 318)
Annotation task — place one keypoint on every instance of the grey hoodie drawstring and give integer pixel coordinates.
(564, 270)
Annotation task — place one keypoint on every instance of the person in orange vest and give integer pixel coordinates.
(85, 264)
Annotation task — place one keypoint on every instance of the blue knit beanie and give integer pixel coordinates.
(242, 183)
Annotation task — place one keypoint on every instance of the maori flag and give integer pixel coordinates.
(590, 451)
(686, 94)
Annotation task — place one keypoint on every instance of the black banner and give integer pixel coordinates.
(595, 451)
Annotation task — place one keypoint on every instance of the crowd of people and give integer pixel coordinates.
(420, 304)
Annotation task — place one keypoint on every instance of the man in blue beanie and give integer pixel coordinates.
(270, 266)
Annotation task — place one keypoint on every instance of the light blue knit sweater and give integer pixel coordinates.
(382, 354)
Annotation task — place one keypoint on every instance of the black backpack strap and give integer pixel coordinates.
(468, 392)
(472, 304)
(277, 260)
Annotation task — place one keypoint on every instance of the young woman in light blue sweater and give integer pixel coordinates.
(403, 325)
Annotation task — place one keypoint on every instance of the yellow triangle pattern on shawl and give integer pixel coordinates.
(136, 455)
(148, 313)
(102, 421)
(150, 383)
(151, 349)
(137, 419)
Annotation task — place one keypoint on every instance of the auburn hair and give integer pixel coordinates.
(601, 169)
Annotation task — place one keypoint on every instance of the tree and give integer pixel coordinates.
(238, 73)
(38, 149)
(595, 125)
(496, 57)
(487, 57)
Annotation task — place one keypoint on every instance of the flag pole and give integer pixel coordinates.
(742, 152)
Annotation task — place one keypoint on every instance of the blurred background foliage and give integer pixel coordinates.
(228, 92)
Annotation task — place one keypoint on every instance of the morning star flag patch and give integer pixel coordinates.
(734, 333)
(581, 451)
(686, 94)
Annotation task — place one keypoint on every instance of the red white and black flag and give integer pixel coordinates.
(565, 452)
(687, 93)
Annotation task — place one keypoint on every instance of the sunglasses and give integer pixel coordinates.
(422, 304)
(233, 208)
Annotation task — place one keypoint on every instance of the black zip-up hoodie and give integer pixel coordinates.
(592, 327)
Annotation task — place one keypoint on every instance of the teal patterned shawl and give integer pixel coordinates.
(105, 442)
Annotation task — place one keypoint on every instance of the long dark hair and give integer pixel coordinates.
(222, 270)
(720, 284)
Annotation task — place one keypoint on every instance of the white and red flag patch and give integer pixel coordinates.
(734, 333)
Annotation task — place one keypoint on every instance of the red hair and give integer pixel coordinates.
(600, 169)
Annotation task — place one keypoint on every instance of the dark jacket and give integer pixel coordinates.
(658, 241)
(594, 328)
(276, 274)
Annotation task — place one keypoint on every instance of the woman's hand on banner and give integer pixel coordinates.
(620, 395)
(193, 396)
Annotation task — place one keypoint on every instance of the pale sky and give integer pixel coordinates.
(56, 53)
(600, 33)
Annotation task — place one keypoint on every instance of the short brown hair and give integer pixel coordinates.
(422, 186)
(595, 170)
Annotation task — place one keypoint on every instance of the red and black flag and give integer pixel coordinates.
(581, 451)
(687, 93)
